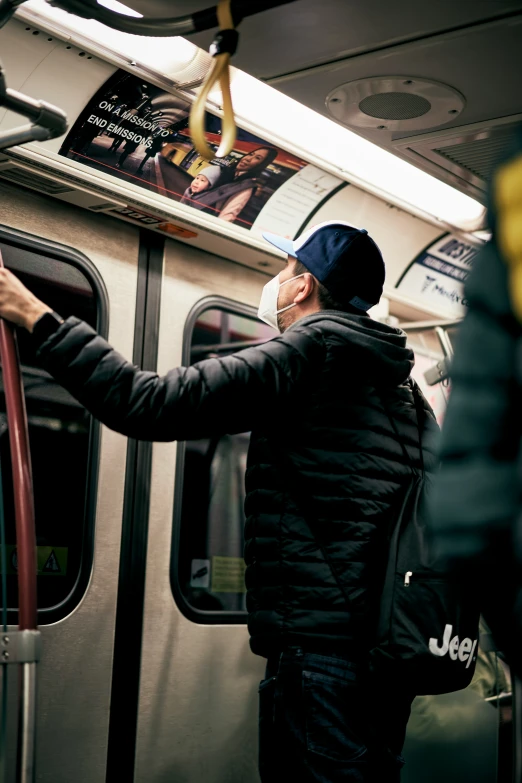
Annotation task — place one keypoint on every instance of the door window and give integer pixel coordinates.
(208, 567)
(63, 437)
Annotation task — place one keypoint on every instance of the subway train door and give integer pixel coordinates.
(197, 701)
(85, 265)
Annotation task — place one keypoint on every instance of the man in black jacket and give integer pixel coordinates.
(325, 476)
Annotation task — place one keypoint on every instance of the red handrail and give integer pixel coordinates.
(22, 475)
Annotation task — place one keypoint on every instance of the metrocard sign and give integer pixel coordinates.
(437, 276)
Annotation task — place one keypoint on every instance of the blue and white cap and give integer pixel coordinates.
(343, 258)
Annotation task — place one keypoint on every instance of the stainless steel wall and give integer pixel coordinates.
(76, 667)
(198, 695)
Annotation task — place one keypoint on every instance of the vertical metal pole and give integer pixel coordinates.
(27, 724)
(25, 541)
(225, 328)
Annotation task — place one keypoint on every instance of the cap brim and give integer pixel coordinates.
(286, 245)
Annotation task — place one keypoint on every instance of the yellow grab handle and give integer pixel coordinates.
(219, 72)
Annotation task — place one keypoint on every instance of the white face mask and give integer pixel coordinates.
(268, 311)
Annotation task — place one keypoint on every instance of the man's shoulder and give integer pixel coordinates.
(303, 337)
(296, 346)
(316, 336)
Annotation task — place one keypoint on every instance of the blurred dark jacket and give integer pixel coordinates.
(477, 494)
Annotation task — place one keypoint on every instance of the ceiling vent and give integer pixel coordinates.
(394, 103)
(467, 154)
(478, 155)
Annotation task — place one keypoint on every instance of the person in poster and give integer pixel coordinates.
(204, 181)
(236, 185)
(157, 142)
(139, 133)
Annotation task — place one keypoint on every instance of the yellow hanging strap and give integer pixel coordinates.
(508, 193)
(222, 49)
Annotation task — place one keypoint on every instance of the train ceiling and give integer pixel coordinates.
(436, 83)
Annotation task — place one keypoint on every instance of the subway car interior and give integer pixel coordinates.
(389, 116)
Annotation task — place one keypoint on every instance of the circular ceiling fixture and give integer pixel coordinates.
(396, 103)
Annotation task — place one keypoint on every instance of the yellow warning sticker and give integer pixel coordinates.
(228, 575)
(50, 560)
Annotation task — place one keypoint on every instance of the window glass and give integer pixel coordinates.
(429, 353)
(208, 567)
(61, 437)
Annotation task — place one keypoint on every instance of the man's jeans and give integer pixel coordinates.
(319, 721)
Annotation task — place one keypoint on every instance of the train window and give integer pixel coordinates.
(431, 364)
(207, 570)
(63, 438)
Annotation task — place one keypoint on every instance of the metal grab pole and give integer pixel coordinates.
(48, 121)
(25, 541)
(195, 22)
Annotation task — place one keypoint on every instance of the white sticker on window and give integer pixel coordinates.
(200, 573)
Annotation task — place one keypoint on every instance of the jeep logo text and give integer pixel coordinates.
(462, 651)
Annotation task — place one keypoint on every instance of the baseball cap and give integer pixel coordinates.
(343, 258)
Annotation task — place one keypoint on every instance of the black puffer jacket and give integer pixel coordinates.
(309, 397)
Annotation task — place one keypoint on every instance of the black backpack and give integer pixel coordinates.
(427, 632)
(428, 628)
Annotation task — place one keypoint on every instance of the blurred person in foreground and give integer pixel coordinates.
(477, 501)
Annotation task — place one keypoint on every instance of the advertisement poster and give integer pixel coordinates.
(139, 133)
(437, 276)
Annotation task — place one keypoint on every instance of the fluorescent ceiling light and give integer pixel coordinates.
(354, 157)
(114, 5)
(163, 55)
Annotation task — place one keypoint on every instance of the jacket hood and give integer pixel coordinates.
(377, 349)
